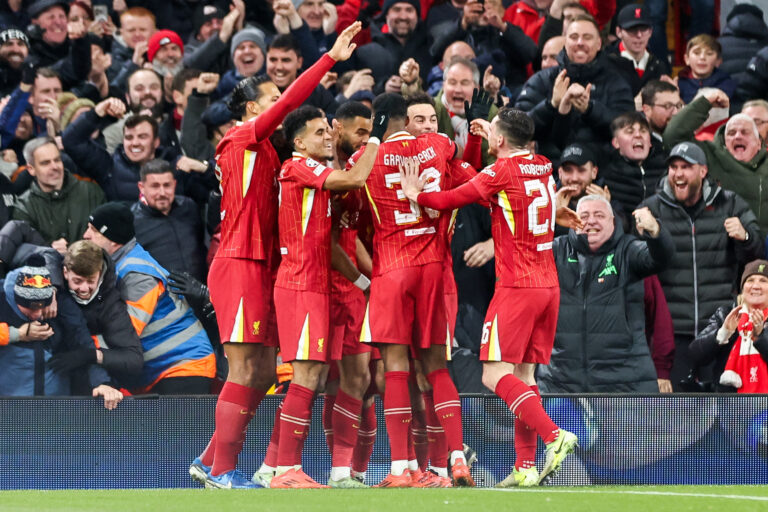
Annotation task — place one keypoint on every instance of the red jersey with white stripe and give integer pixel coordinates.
(340, 285)
(305, 226)
(406, 235)
(247, 171)
(521, 191)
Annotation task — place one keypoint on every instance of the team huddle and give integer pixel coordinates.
(376, 201)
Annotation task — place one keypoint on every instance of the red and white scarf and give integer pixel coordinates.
(746, 370)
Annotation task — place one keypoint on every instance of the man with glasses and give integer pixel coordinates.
(758, 111)
(630, 53)
(660, 101)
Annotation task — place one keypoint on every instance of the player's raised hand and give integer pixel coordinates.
(410, 181)
(481, 128)
(380, 125)
(568, 218)
(564, 195)
(343, 47)
(480, 106)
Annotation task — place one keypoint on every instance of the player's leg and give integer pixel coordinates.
(354, 381)
(329, 399)
(366, 434)
(417, 434)
(251, 373)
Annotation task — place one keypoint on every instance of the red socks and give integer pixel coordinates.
(525, 441)
(328, 402)
(438, 450)
(270, 459)
(294, 424)
(419, 438)
(397, 413)
(207, 456)
(234, 411)
(346, 422)
(447, 408)
(525, 403)
(366, 438)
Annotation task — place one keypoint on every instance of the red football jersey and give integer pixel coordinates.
(521, 191)
(247, 171)
(405, 235)
(305, 226)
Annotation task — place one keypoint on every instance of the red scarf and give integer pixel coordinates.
(746, 370)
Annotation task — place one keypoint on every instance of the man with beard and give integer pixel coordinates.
(165, 51)
(576, 100)
(168, 225)
(714, 232)
(145, 95)
(660, 101)
(14, 48)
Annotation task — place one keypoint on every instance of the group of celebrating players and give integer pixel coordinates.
(400, 181)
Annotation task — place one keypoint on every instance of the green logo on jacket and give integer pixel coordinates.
(609, 267)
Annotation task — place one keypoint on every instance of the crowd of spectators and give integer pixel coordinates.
(111, 110)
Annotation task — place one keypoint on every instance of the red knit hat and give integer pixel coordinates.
(162, 38)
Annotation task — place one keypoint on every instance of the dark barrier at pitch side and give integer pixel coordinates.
(57, 443)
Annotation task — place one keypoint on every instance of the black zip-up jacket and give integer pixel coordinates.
(653, 69)
(600, 344)
(704, 271)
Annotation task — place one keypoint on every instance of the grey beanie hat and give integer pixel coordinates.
(248, 34)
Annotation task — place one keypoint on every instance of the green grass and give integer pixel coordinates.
(565, 499)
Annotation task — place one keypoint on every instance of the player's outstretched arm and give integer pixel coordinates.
(413, 185)
(305, 83)
(356, 176)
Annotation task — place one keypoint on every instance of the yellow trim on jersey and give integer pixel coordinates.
(448, 341)
(306, 208)
(509, 215)
(494, 349)
(373, 205)
(236, 336)
(452, 222)
(249, 161)
(365, 330)
(302, 353)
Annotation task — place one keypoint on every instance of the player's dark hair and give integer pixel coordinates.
(295, 122)
(247, 90)
(156, 166)
(393, 103)
(516, 126)
(285, 42)
(182, 77)
(629, 119)
(136, 120)
(651, 89)
(420, 98)
(352, 109)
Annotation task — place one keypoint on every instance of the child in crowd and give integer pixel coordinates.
(703, 55)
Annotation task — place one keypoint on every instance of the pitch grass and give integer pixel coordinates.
(565, 499)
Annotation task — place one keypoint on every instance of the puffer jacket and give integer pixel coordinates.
(704, 271)
(742, 37)
(600, 344)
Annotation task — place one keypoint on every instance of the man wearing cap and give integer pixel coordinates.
(214, 53)
(714, 232)
(206, 23)
(178, 358)
(32, 332)
(399, 39)
(57, 44)
(14, 48)
(57, 204)
(736, 157)
(603, 348)
(630, 53)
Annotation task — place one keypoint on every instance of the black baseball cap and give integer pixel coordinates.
(39, 7)
(578, 154)
(633, 15)
(689, 152)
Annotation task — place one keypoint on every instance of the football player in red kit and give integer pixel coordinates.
(520, 323)
(303, 286)
(240, 278)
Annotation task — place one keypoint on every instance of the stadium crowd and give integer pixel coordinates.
(118, 116)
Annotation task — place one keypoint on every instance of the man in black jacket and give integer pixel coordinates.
(167, 225)
(14, 48)
(576, 100)
(600, 343)
(714, 232)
